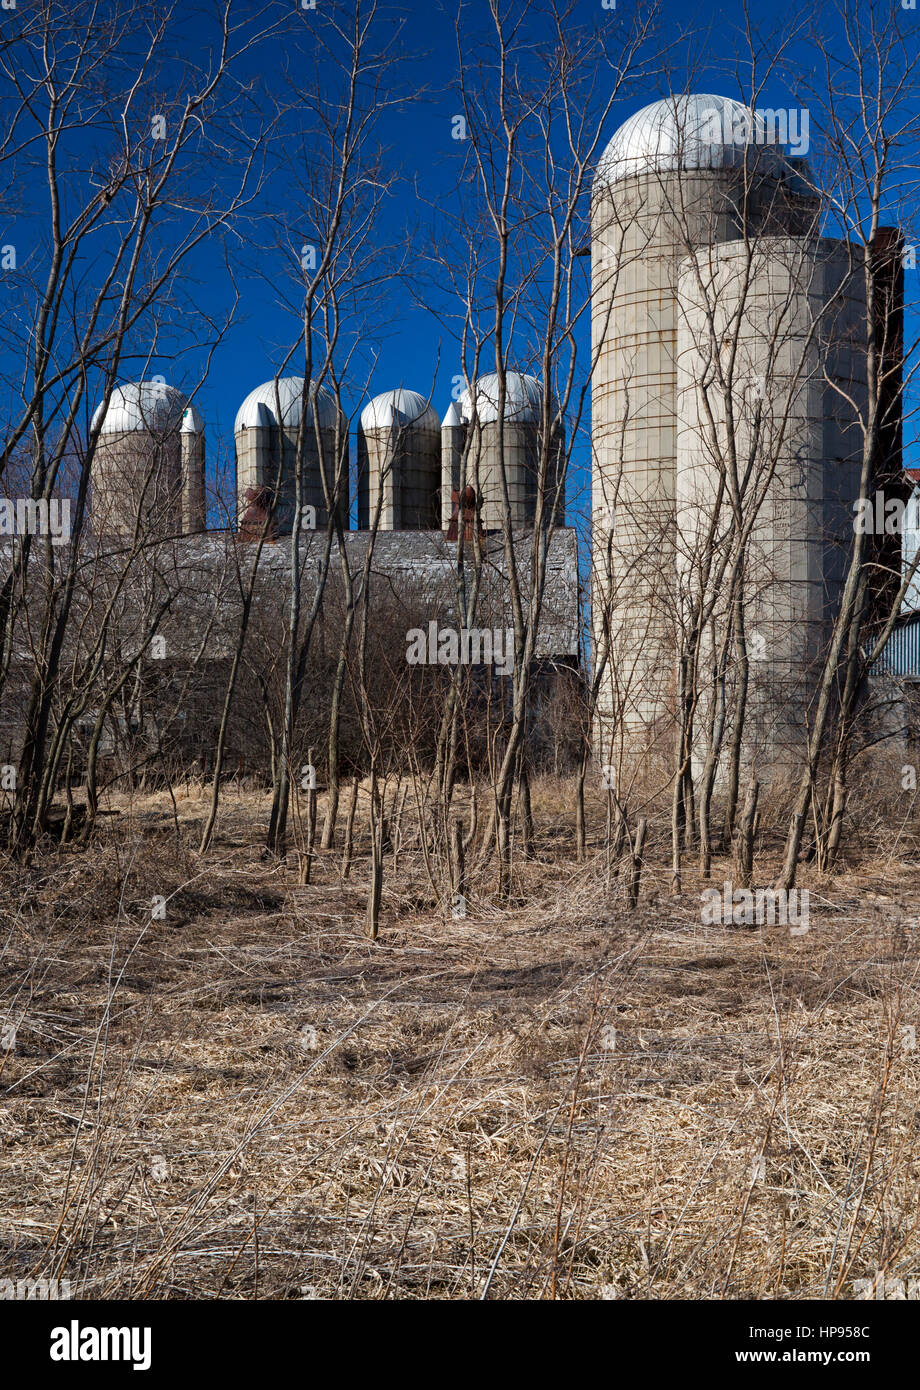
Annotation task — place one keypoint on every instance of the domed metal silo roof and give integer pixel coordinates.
(147, 405)
(523, 399)
(698, 131)
(261, 405)
(398, 408)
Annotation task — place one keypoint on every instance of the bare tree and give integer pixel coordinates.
(339, 191)
(868, 101)
(531, 142)
(138, 211)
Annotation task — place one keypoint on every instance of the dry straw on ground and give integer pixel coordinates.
(554, 1098)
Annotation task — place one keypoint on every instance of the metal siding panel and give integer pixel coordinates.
(901, 656)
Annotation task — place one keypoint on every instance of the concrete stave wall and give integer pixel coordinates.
(258, 449)
(405, 461)
(137, 474)
(793, 310)
(642, 228)
(520, 446)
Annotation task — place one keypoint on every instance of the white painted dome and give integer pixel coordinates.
(261, 405)
(398, 408)
(148, 405)
(523, 399)
(701, 131)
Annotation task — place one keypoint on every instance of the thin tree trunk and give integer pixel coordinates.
(397, 827)
(580, 847)
(526, 811)
(376, 884)
(744, 849)
(350, 826)
(457, 870)
(739, 711)
(635, 879)
(310, 839)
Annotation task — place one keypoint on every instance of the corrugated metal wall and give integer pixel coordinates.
(901, 656)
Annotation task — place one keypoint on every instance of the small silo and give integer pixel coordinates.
(473, 424)
(399, 463)
(268, 434)
(148, 467)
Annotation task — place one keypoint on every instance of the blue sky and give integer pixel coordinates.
(415, 348)
(407, 345)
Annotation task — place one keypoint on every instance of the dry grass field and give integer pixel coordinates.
(557, 1098)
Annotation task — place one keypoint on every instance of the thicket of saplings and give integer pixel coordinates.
(391, 743)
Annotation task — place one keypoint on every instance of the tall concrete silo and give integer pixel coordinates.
(793, 310)
(473, 424)
(399, 463)
(194, 500)
(672, 178)
(453, 433)
(266, 432)
(148, 468)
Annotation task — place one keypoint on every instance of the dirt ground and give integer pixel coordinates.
(554, 1097)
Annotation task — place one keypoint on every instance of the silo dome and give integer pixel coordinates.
(275, 456)
(523, 399)
(147, 405)
(503, 465)
(261, 405)
(399, 462)
(701, 131)
(399, 408)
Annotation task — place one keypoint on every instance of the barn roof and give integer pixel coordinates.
(414, 575)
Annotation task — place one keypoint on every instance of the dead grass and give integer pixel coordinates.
(250, 1100)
